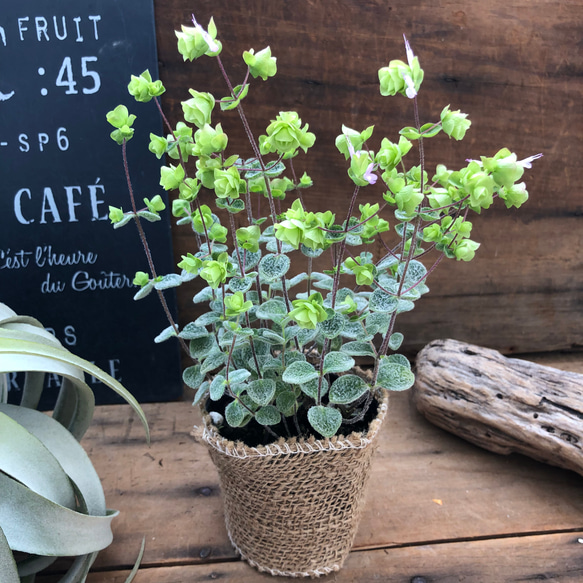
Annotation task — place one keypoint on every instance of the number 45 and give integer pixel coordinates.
(65, 76)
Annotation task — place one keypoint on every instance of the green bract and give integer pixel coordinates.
(143, 88)
(209, 140)
(198, 108)
(228, 183)
(121, 119)
(194, 42)
(274, 352)
(236, 304)
(307, 313)
(215, 272)
(392, 79)
(285, 136)
(261, 64)
(454, 123)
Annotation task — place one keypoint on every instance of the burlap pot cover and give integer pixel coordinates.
(292, 508)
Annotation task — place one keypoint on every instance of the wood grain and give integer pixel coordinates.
(511, 66)
(502, 404)
(427, 486)
(555, 557)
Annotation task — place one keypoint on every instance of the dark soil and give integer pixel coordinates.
(254, 434)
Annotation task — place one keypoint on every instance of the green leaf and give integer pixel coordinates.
(323, 281)
(333, 326)
(274, 169)
(144, 291)
(429, 130)
(202, 391)
(299, 373)
(395, 377)
(309, 252)
(405, 306)
(146, 215)
(261, 391)
(274, 310)
(217, 388)
(395, 341)
(377, 323)
(168, 281)
(273, 267)
(268, 415)
(347, 389)
(286, 402)
(272, 337)
(235, 414)
(201, 347)
(207, 319)
(238, 376)
(398, 358)
(213, 361)
(192, 331)
(325, 420)
(311, 388)
(240, 284)
(415, 271)
(337, 362)
(67, 451)
(137, 563)
(193, 376)
(410, 133)
(381, 301)
(306, 335)
(357, 348)
(204, 295)
(167, 333)
(251, 258)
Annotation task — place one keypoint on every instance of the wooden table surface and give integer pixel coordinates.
(438, 508)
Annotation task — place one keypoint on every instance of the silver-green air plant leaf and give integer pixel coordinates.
(21, 352)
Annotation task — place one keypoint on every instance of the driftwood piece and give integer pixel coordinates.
(502, 404)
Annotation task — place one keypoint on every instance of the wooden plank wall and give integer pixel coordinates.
(514, 67)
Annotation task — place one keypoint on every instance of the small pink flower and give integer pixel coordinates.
(410, 91)
(369, 175)
(527, 162)
(213, 46)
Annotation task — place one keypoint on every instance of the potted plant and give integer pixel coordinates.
(286, 410)
(52, 501)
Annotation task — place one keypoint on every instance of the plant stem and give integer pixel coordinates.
(385, 343)
(146, 247)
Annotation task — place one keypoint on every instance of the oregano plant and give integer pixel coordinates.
(275, 349)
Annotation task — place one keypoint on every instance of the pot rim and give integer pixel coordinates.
(292, 446)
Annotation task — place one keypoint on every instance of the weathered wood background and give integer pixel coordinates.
(514, 67)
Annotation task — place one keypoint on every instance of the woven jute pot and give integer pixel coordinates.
(292, 508)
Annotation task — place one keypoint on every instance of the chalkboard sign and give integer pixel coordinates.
(63, 66)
